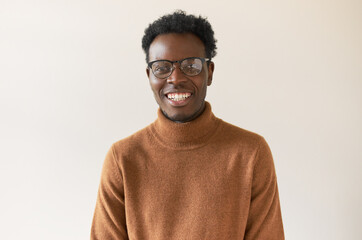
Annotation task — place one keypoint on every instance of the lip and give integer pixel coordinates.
(177, 91)
(179, 103)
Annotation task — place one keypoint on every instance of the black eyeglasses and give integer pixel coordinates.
(191, 66)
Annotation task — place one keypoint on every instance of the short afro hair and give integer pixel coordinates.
(180, 22)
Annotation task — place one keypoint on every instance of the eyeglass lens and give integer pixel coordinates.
(189, 66)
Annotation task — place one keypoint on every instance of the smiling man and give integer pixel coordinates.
(189, 174)
(179, 74)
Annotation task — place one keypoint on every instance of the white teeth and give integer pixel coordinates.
(178, 96)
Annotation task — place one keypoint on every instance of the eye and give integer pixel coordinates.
(191, 68)
(161, 67)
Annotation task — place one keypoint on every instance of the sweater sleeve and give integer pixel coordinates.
(109, 220)
(264, 220)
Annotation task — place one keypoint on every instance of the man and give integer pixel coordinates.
(188, 175)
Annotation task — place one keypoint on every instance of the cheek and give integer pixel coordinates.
(156, 86)
(202, 85)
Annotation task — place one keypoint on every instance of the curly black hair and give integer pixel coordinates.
(180, 22)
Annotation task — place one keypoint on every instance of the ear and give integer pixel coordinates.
(148, 72)
(210, 73)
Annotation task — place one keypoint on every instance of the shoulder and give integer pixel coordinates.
(133, 143)
(247, 143)
(240, 136)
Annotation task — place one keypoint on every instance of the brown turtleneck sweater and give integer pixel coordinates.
(204, 179)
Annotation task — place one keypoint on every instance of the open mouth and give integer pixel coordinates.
(177, 97)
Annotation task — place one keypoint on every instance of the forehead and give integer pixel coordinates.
(176, 46)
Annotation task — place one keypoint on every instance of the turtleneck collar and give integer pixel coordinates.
(189, 134)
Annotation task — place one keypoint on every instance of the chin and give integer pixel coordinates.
(176, 117)
(184, 114)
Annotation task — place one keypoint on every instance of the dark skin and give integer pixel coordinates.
(177, 46)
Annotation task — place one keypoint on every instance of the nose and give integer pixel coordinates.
(176, 77)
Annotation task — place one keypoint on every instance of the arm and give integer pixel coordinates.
(109, 220)
(265, 220)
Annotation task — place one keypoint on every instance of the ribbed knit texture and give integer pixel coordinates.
(204, 179)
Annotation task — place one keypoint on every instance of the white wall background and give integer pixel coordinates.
(72, 82)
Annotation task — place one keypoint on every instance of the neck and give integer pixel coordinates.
(190, 133)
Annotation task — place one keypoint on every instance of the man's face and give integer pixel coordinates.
(173, 47)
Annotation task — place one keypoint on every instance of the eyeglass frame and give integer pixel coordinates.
(203, 60)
